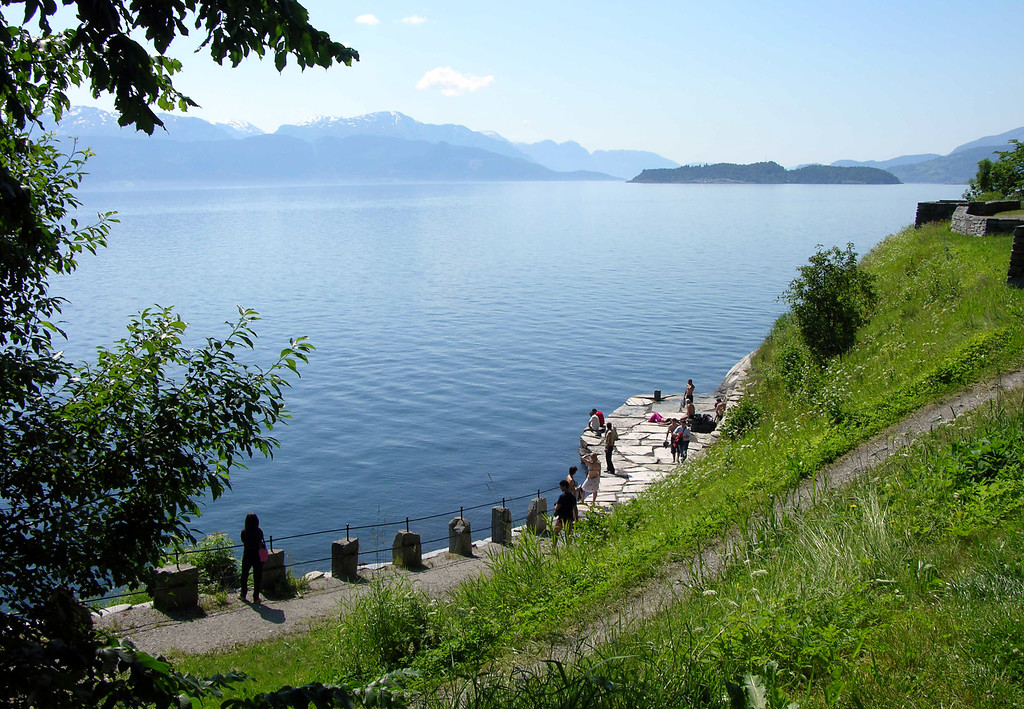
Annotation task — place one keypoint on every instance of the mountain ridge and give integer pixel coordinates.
(276, 158)
(568, 158)
(89, 123)
(958, 167)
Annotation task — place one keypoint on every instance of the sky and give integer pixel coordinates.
(794, 82)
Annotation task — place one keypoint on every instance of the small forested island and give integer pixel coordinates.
(769, 173)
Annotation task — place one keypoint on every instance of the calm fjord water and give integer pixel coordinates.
(463, 331)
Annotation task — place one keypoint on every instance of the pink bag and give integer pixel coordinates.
(264, 554)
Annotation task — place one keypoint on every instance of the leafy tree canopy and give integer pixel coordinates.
(1002, 179)
(101, 463)
(102, 51)
(830, 300)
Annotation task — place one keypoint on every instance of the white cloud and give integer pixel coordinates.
(451, 82)
(367, 20)
(413, 20)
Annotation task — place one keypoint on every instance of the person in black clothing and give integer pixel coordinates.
(252, 543)
(566, 513)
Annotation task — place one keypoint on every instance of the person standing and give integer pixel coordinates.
(570, 480)
(584, 452)
(677, 438)
(684, 442)
(252, 545)
(566, 513)
(689, 389)
(719, 408)
(670, 431)
(610, 436)
(593, 482)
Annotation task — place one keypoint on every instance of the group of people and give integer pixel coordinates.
(688, 398)
(609, 435)
(677, 435)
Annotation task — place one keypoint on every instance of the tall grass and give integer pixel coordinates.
(875, 598)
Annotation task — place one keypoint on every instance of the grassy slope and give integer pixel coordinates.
(903, 590)
(945, 318)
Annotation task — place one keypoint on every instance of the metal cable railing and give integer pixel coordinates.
(348, 529)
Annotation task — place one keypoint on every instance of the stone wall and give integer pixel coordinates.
(1015, 274)
(941, 211)
(987, 209)
(966, 220)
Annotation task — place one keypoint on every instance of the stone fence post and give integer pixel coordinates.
(460, 540)
(1015, 274)
(536, 515)
(175, 587)
(345, 559)
(501, 525)
(275, 576)
(405, 551)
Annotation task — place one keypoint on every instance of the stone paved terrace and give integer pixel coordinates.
(640, 457)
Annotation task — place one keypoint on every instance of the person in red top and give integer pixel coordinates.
(600, 419)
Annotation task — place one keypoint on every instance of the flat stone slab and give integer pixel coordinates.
(640, 400)
(633, 450)
(651, 429)
(668, 409)
(630, 412)
(663, 455)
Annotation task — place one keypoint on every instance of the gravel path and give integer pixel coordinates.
(235, 623)
(238, 623)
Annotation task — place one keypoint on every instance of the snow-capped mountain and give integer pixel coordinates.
(88, 121)
(391, 124)
(240, 129)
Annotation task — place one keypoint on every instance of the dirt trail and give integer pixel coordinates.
(239, 623)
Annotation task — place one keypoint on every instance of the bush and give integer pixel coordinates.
(742, 417)
(831, 299)
(218, 567)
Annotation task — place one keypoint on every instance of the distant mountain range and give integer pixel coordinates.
(376, 146)
(768, 173)
(393, 146)
(956, 168)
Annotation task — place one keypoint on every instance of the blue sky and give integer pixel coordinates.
(703, 81)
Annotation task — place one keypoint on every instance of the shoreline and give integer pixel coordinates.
(643, 460)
